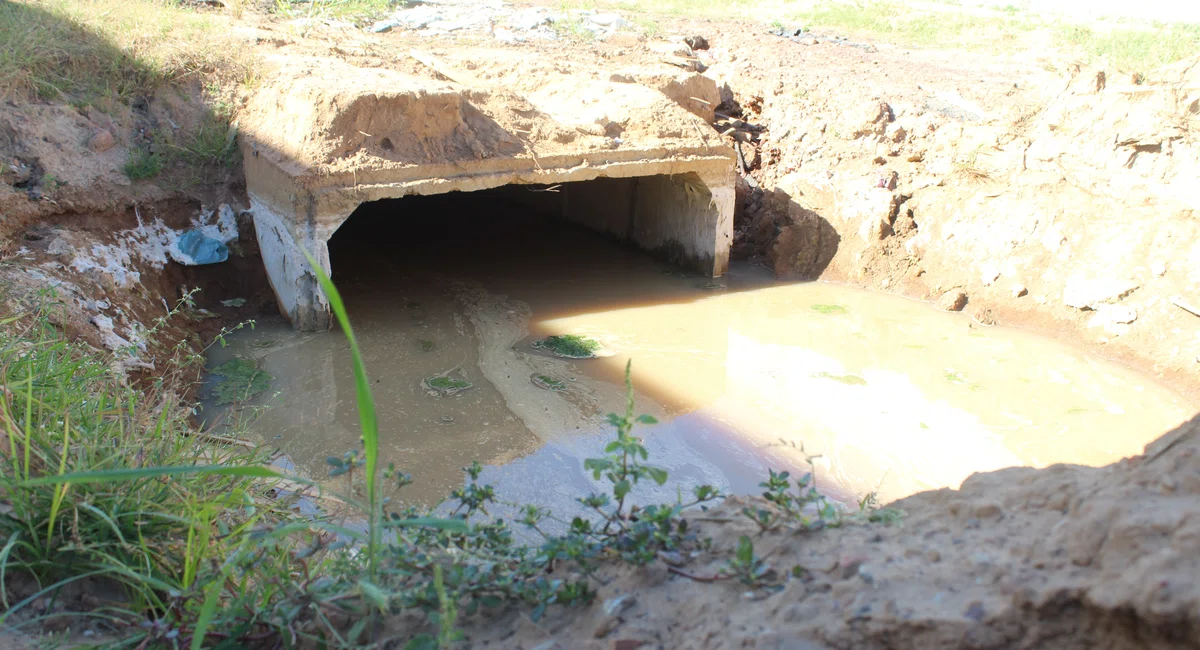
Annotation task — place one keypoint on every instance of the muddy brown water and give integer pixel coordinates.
(745, 373)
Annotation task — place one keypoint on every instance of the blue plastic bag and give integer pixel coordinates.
(201, 248)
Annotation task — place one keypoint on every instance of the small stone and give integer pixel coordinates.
(848, 565)
(626, 644)
(952, 300)
(619, 78)
(974, 611)
(696, 42)
(989, 511)
(620, 604)
(888, 180)
(895, 133)
(865, 573)
(606, 626)
(60, 246)
(102, 141)
(1113, 317)
(1158, 268)
(1019, 290)
(933, 556)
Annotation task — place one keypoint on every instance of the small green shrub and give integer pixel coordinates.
(143, 164)
(447, 383)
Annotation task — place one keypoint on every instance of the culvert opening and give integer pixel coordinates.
(671, 217)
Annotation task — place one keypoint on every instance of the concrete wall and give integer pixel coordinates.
(675, 216)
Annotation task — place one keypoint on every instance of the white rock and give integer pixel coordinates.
(1158, 268)
(60, 246)
(1090, 293)
(1115, 319)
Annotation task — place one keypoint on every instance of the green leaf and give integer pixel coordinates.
(659, 475)
(745, 551)
(422, 641)
(212, 598)
(597, 465)
(621, 488)
(366, 409)
(647, 419)
(374, 595)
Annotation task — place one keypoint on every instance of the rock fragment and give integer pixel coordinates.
(952, 300)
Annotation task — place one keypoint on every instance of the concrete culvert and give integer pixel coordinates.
(630, 159)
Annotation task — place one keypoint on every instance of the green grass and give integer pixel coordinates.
(91, 51)
(1133, 47)
(1134, 50)
(64, 416)
(571, 346)
(143, 164)
(357, 11)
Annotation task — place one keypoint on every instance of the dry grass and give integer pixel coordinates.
(82, 51)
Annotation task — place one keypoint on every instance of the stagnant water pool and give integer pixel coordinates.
(743, 373)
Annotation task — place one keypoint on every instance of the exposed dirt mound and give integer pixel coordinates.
(1065, 557)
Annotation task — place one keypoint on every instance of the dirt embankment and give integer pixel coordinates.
(1063, 201)
(1058, 201)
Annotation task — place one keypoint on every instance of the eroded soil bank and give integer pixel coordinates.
(1054, 197)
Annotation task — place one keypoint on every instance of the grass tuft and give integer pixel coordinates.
(143, 164)
(571, 346)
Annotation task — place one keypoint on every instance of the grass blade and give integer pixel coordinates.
(366, 409)
(151, 472)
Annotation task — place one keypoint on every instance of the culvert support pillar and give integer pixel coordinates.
(283, 241)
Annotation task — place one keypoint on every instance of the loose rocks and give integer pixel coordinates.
(952, 300)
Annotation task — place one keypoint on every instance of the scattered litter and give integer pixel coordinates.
(505, 23)
(194, 248)
(235, 302)
(1189, 308)
(802, 36)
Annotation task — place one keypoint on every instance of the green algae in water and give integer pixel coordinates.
(829, 309)
(954, 377)
(549, 383)
(240, 380)
(444, 385)
(570, 346)
(849, 380)
(426, 346)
